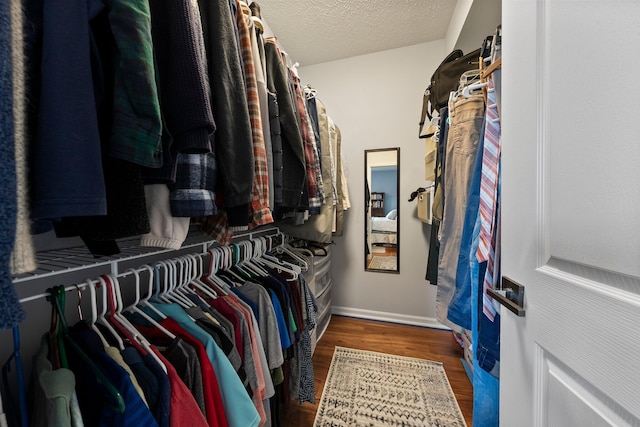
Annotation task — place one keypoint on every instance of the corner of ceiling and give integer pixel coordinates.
(471, 22)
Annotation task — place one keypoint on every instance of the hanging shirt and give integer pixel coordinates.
(184, 409)
(210, 386)
(93, 397)
(147, 381)
(266, 317)
(184, 359)
(285, 341)
(52, 391)
(238, 407)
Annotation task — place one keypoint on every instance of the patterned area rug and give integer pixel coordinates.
(369, 389)
(384, 263)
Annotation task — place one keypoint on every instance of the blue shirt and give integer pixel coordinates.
(238, 406)
(93, 397)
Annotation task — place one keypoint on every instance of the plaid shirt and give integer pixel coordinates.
(314, 175)
(217, 226)
(137, 128)
(193, 195)
(261, 214)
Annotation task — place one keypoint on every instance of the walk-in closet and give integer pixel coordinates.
(319, 213)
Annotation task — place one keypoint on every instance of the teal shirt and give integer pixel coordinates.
(238, 406)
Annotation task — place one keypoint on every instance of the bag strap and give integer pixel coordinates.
(426, 107)
(457, 53)
(426, 103)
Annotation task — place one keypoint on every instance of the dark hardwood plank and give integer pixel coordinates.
(410, 341)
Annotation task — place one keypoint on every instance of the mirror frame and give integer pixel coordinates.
(367, 215)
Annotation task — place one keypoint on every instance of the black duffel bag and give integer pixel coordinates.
(444, 81)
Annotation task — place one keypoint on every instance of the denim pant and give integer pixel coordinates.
(486, 387)
(467, 121)
(461, 303)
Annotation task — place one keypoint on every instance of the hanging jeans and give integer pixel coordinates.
(486, 387)
(461, 304)
(467, 119)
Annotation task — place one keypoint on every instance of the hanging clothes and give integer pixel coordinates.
(319, 228)
(260, 213)
(293, 153)
(11, 313)
(233, 140)
(64, 120)
(467, 120)
(23, 258)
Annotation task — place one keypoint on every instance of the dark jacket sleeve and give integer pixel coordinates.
(293, 154)
(233, 143)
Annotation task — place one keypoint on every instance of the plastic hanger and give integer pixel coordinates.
(22, 389)
(196, 269)
(233, 252)
(286, 249)
(165, 293)
(114, 286)
(255, 249)
(218, 263)
(247, 254)
(183, 278)
(310, 92)
(191, 274)
(200, 284)
(162, 285)
(170, 280)
(102, 316)
(57, 300)
(94, 312)
(263, 258)
(466, 91)
(153, 278)
(133, 308)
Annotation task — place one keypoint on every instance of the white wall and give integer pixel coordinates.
(482, 19)
(376, 100)
(456, 24)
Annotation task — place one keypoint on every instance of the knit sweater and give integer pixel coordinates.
(10, 312)
(23, 258)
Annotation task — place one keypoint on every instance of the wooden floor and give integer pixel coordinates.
(411, 341)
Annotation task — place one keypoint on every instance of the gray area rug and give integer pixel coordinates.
(384, 263)
(365, 388)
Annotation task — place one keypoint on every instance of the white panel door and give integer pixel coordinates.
(571, 212)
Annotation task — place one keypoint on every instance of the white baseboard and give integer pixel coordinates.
(404, 319)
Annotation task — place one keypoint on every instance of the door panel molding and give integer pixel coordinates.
(566, 324)
(572, 401)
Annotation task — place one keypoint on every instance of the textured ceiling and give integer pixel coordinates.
(315, 31)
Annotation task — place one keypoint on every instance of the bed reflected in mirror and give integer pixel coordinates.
(382, 217)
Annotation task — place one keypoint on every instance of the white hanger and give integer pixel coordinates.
(249, 255)
(310, 92)
(115, 286)
(193, 274)
(466, 91)
(94, 312)
(134, 307)
(145, 300)
(161, 291)
(280, 265)
(101, 316)
(182, 279)
(287, 249)
(199, 284)
(220, 262)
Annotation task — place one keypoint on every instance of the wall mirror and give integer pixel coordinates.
(382, 215)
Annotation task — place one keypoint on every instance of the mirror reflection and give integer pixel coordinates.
(382, 219)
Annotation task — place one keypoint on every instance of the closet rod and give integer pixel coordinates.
(114, 263)
(69, 260)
